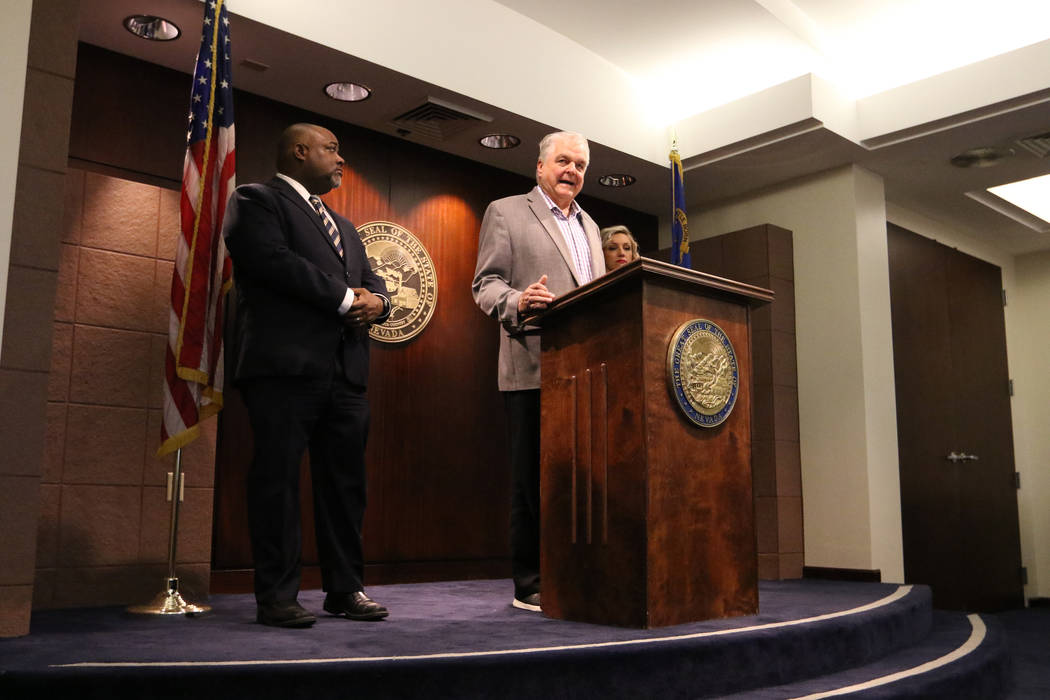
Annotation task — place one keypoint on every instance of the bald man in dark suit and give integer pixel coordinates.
(305, 298)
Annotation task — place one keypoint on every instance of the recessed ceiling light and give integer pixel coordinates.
(616, 180)
(152, 28)
(499, 141)
(347, 91)
(981, 157)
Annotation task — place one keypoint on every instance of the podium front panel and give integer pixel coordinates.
(647, 519)
(593, 505)
(702, 558)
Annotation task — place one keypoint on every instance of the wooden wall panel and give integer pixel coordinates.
(763, 256)
(438, 474)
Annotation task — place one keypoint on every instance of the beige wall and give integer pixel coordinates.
(852, 513)
(29, 269)
(1029, 336)
(14, 37)
(849, 461)
(847, 409)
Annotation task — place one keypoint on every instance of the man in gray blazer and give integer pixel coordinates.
(533, 248)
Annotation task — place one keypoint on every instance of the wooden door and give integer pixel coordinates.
(958, 493)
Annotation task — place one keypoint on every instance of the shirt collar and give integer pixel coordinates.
(296, 185)
(574, 208)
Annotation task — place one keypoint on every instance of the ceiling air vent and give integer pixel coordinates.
(438, 119)
(1038, 144)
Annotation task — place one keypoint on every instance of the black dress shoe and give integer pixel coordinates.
(286, 613)
(354, 606)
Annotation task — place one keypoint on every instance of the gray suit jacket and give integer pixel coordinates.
(520, 242)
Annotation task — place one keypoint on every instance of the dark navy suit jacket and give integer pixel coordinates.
(290, 282)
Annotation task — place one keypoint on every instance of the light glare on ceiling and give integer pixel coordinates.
(347, 91)
(617, 180)
(152, 28)
(1032, 195)
(499, 141)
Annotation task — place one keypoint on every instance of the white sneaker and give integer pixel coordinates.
(529, 602)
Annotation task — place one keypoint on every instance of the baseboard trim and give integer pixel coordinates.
(1039, 602)
(829, 573)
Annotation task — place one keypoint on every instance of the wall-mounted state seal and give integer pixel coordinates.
(411, 283)
(702, 372)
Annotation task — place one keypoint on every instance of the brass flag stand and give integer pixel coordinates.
(170, 601)
(200, 280)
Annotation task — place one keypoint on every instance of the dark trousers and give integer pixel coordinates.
(523, 424)
(290, 415)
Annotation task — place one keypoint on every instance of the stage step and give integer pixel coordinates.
(963, 656)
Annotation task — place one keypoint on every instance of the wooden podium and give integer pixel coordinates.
(647, 519)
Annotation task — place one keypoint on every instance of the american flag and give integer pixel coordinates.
(203, 272)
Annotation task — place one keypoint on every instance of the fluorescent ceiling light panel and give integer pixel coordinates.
(1032, 195)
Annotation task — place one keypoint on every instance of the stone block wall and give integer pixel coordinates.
(31, 280)
(104, 519)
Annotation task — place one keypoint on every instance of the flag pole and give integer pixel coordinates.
(193, 365)
(679, 220)
(170, 601)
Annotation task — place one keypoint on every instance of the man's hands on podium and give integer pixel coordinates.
(535, 298)
(365, 308)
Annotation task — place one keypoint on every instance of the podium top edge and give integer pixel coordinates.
(647, 267)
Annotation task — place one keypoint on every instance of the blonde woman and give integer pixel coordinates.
(619, 247)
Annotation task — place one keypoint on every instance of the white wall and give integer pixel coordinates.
(847, 409)
(14, 43)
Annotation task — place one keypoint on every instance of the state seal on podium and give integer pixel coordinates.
(702, 372)
(408, 273)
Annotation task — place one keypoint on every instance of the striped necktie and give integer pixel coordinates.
(329, 225)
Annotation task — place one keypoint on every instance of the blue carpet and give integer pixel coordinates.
(1028, 635)
(458, 640)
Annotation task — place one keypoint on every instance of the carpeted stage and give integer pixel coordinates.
(462, 639)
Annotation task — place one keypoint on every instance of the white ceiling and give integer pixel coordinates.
(844, 40)
(759, 92)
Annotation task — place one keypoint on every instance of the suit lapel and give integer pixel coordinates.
(546, 218)
(296, 199)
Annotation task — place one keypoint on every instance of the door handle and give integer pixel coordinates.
(961, 457)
